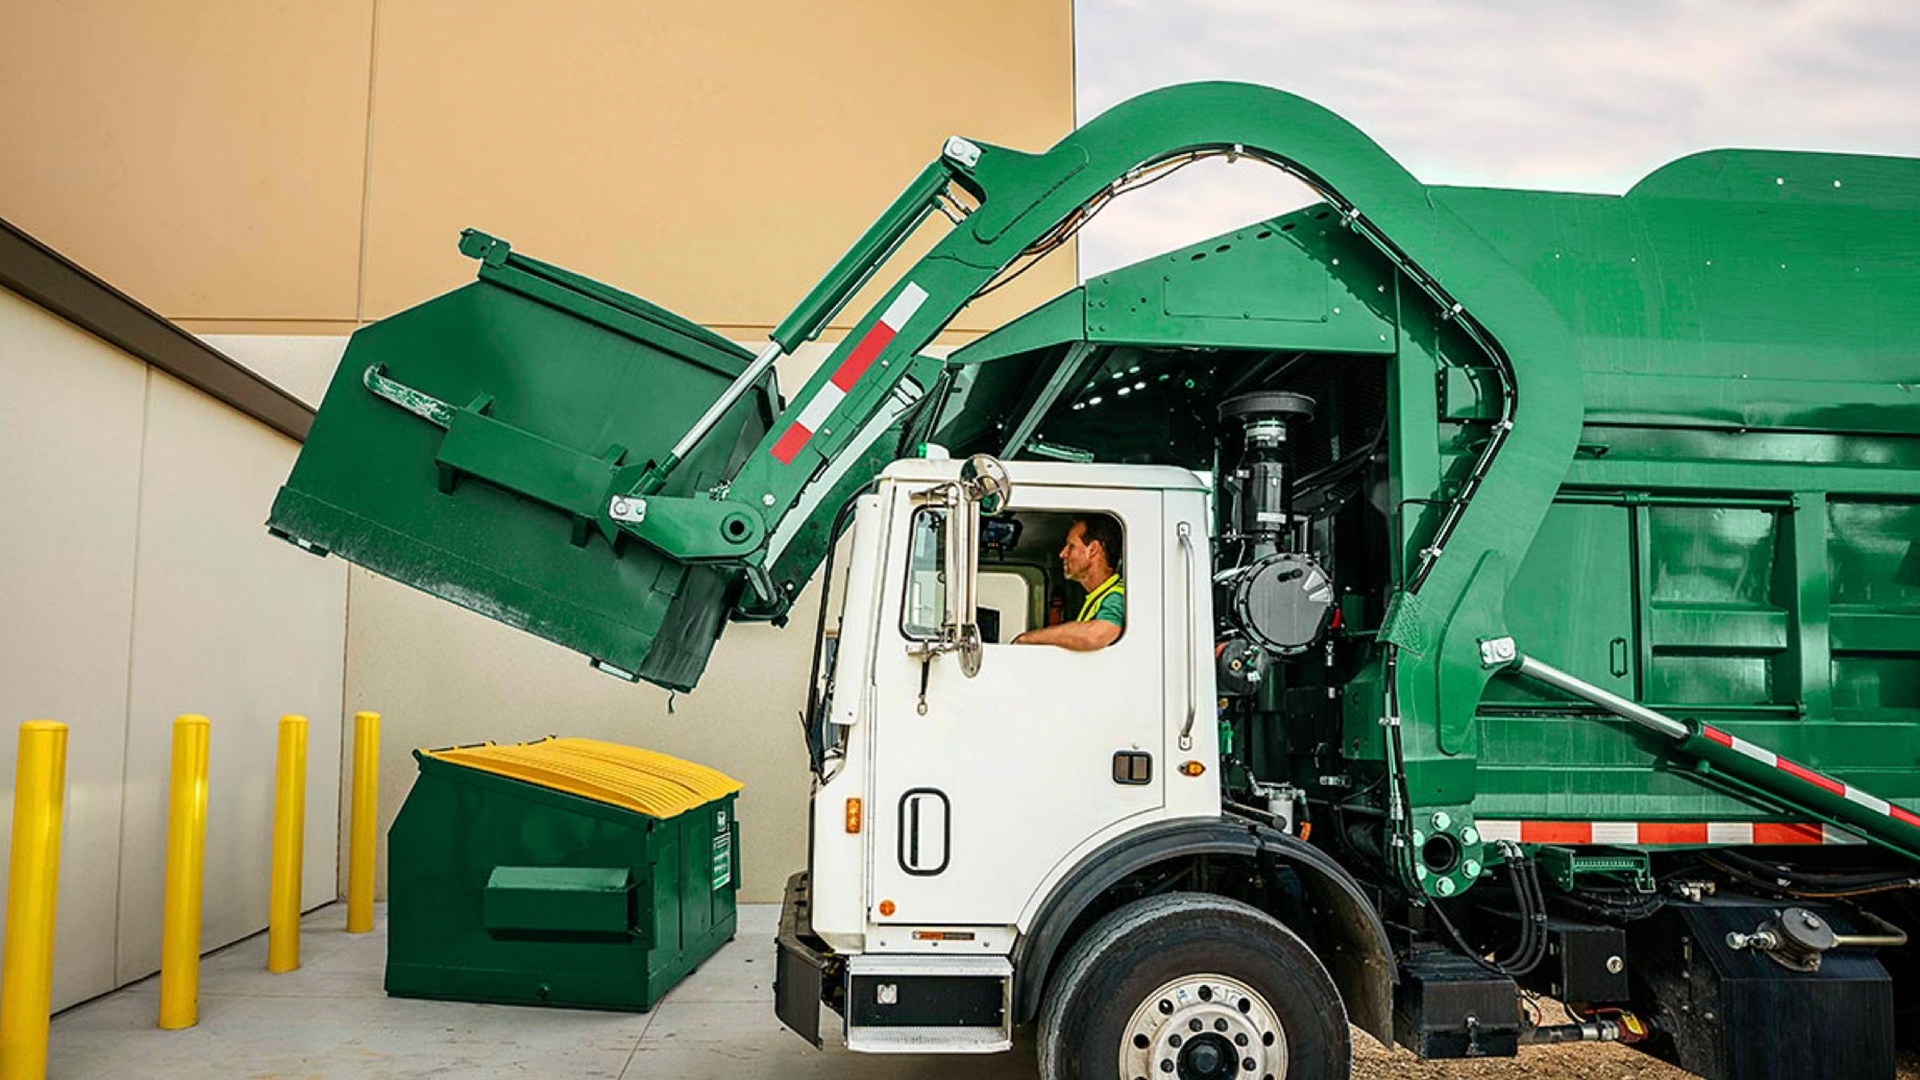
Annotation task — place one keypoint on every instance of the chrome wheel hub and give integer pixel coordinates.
(1203, 1027)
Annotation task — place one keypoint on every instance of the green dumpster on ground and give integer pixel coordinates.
(561, 872)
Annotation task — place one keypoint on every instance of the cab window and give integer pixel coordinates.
(1022, 583)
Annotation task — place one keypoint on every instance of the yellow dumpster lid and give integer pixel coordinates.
(644, 781)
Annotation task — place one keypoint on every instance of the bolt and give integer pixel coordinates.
(1445, 887)
(767, 499)
(1441, 820)
(1220, 1025)
(1470, 868)
(1812, 922)
(1615, 965)
(1469, 835)
(1174, 1041)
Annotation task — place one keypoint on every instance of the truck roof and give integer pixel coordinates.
(1057, 474)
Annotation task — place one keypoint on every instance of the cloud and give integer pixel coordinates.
(1563, 96)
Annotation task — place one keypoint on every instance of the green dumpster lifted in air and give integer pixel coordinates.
(564, 872)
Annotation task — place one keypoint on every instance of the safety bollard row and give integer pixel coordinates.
(26, 973)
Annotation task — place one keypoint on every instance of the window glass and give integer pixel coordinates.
(1006, 598)
(1023, 582)
(926, 574)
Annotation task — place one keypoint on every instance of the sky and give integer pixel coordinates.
(1547, 94)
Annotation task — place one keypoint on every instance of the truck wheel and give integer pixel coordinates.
(1189, 986)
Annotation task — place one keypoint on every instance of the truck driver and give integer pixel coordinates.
(1090, 558)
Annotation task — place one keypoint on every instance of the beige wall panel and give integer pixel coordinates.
(441, 675)
(207, 157)
(70, 419)
(300, 364)
(242, 627)
(713, 158)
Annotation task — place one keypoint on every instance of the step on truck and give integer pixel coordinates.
(1521, 596)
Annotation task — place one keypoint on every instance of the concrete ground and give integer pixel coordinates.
(330, 1020)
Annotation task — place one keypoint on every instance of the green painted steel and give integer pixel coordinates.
(469, 447)
(1666, 440)
(501, 890)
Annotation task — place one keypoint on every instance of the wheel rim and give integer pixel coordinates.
(1203, 1027)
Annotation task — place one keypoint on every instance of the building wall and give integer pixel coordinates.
(139, 585)
(272, 176)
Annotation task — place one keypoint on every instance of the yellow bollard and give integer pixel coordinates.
(289, 832)
(186, 867)
(26, 976)
(361, 838)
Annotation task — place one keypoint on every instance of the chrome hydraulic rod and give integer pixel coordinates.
(1724, 758)
(735, 390)
(1613, 703)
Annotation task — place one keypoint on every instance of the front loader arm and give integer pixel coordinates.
(829, 442)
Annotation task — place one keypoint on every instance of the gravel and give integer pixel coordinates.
(1576, 1061)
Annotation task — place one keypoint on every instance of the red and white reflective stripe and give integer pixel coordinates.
(834, 390)
(1656, 833)
(1800, 772)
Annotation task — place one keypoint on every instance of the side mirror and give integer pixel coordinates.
(983, 487)
(960, 626)
(984, 481)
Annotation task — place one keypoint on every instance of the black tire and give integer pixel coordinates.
(1120, 965)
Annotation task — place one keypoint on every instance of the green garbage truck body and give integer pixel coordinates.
(1552, 624)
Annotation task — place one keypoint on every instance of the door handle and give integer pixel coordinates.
(1617, 657)
(1192, 684)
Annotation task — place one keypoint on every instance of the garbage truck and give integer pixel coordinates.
(1521, 595)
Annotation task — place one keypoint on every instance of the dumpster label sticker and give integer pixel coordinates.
(833, 391)
(722, 859)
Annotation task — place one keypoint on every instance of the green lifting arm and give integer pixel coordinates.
(823, 446)
(828, 442)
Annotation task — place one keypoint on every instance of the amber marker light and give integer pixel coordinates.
(887, 908)
(853, 815)
(1191, 768)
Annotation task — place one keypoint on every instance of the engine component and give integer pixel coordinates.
(1241, 666)
(1263, 481)
(1282, 602)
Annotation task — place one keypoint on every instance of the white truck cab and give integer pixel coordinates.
(951, 803)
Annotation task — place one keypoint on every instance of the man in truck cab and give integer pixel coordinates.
(1091, 558)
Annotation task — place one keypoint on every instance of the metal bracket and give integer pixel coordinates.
(961, 152)
(692, 528)
(1498, 652)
